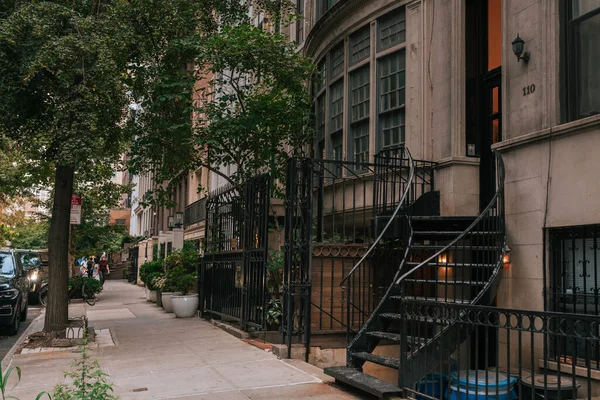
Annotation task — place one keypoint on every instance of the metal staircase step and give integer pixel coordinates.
(394, 337)
(452, 233)
(432, 299)
(442, 264)
(464, 247)
(360, 380)
(381, 360)
(443, 282)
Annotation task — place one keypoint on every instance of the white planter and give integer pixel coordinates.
(167, 301)
(147, 293)
(153, 296)
(185, 306)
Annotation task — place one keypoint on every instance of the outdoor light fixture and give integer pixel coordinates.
(442, 259)
(178, 219)
(171, 222)
(518, 46)
(507, 258)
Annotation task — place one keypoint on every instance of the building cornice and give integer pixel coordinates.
(570, 128)
(457, 160)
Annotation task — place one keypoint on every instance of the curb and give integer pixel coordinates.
(20, 341)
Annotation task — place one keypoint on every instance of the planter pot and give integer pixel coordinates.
(167, 301)
(147, 293)
(185, 306)
(159, 298)
(153, 296)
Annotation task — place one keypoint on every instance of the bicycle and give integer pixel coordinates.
(90, 299)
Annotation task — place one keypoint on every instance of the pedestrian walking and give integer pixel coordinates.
(102, 268)
(90, 267)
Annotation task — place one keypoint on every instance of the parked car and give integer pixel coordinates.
(35, 266)
(14, 288)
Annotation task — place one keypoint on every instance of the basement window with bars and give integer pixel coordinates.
(574, 286)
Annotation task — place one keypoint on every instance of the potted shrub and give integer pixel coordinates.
(186, 304)
(158, 282)
(151, 285)
(149, 267)
(186, 258)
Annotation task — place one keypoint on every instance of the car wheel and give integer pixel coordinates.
(23, 314)
(13, 329)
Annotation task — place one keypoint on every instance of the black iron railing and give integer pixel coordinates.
(233, 269)
(195, 212)
(513, 353)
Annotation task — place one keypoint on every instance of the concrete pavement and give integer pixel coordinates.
(158, 356)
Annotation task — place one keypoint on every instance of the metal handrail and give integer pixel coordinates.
(493, 201)
(392, 218)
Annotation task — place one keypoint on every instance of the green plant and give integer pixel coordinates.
(274, 311)
(158, 282)
(4, 375)
(89, 382)
(153, 279)
(92, 286)
(179, 280)
(275, 273)
(148, 268)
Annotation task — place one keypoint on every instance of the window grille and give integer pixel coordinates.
(391, 99)
(359, 114)
(337, 60)
(391, 29)
(337, 107)
(360, 45)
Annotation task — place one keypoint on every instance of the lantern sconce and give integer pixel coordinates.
(171, 222)
(518, 46)
(507, 258)
(442, 259)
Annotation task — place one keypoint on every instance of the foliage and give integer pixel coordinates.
(150, 267)
(5, 375)
(158, 282)
(88, 380)
(76, 283)
(7, 234)
(180, 280)
(275, 273)
(153, 279)
(274, 311)
(33, 235)
(95, 239)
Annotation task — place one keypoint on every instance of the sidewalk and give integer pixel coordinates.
(157, 356)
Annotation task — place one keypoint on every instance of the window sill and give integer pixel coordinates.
(566, 368)
(581, 125)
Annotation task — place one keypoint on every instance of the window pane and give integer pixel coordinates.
(360, 141)
(580, 7)
(337, 60)
(359, 89)
(320, 117)
(392, 29)
(337, 107)
(321, 78)
(337, 143)
(392, 129)
(360, 45)
(589, 65)
(7, 266)
(392, 82)
(300, 21)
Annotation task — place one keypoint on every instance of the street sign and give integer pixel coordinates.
(75, 210)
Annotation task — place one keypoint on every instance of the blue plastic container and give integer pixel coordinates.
(474, 384)
(434, 385)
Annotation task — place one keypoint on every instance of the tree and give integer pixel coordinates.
(244, 103)
(62, 95)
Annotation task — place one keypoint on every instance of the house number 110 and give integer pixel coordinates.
(528, 89)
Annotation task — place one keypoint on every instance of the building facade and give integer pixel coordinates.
(456, 81)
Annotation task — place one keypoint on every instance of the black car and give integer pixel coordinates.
(14, 286)
(35, 267)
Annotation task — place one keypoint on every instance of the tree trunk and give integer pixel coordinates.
(57, 311)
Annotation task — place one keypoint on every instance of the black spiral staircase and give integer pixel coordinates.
(447, 259)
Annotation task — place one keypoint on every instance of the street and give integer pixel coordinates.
(6, 341)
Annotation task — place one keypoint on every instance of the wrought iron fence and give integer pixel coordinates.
(233, 269)
(500, 353)
(334, 212)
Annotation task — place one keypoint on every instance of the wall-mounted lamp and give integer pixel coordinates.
(507, 258)
(178, 219)
(518, 45)
(443, 259)
(171, 222)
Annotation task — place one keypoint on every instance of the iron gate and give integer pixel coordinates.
(233, 271)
